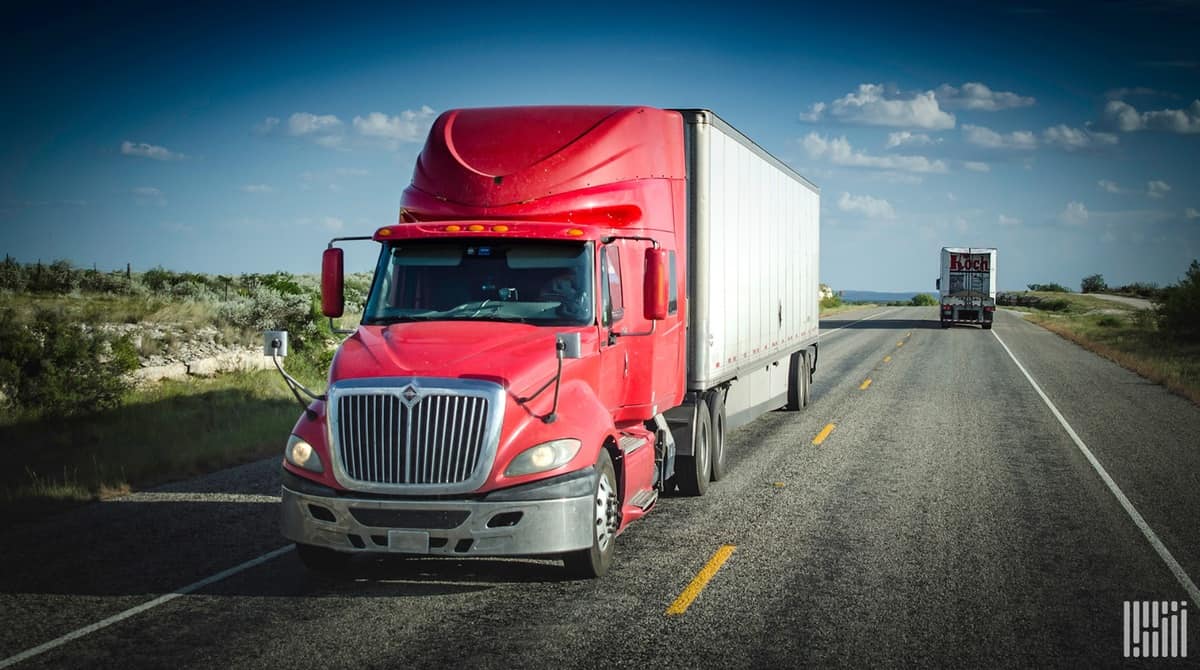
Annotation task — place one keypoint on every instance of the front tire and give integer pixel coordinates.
(605, 520)
(692, 473)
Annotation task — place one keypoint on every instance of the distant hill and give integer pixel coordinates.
(880, 296)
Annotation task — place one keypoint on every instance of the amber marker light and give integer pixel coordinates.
(476, 228)
(452, 229)
(575, 232)
(500, 229)
(384, 232)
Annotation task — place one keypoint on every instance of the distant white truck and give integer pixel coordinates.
(967, 286)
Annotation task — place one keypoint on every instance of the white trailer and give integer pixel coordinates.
(754, 243)
(967, 285)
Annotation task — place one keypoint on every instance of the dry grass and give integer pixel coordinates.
(844, 307)
(1129, 337)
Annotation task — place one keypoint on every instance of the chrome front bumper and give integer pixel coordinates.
(515, 522)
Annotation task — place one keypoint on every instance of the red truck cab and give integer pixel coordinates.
(524, 333)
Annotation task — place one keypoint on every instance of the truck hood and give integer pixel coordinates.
(517, 356)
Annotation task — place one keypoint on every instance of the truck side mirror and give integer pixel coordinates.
(938, 284)
(333, 301)
(655, 290)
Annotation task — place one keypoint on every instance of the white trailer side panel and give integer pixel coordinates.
(754, 243)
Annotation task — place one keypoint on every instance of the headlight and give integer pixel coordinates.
(545, 456)
(301, 454)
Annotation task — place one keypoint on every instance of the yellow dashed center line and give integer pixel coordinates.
(864, 385)
(822, 435)
(702, 578)
(887, 359)
(899, 344)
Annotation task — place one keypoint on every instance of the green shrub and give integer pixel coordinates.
(923, 300)
(831, 302)
(1093, 284)
(1052, 288)
(1179, 314)
(1053, 305)
(12, 275)
(1110, 321)
(267, 309)
(57, 366)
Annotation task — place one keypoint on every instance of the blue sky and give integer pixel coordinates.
(239, 139)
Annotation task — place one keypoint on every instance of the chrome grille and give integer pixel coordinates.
(434, 439)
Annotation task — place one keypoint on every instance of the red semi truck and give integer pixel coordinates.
(574, 307)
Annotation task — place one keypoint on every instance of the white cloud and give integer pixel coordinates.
(1191, 214)
(839, 152)
(1074, 139)
(1075, 214)
(976, 166)
(267, 126)
(990, 139)
(333, 224)
(1124, 117)
(814, 113)
(148, 195)
(329, 141)
(979, 97)
(1111, 186)
(304, 123)
(1009, 220)
(408, 126)
(150, 151)
(1121, 93)
(872, 104)
(1157, 188)
(905, 137)
(872, 208)
(257, 188)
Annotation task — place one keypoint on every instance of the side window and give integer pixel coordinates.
(610, 267)
(672, 287)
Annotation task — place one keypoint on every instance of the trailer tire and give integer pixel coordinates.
(716, 409)
(945, 323)
(321, 559)
(806, 375)
(693, 472)
(596, 559)
(987, 326)
(799, 379)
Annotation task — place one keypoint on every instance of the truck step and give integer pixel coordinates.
(644, 499)
(631, 443)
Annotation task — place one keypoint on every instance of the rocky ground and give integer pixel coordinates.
(174, 352)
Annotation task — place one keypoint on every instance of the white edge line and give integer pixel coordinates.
(866, 318)
(190, 588)
(1176, 569)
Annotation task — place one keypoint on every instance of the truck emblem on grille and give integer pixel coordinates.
(409, 394)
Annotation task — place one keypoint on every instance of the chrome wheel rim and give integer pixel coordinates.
(606, 513)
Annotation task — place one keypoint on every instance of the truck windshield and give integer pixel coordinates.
(542, 283)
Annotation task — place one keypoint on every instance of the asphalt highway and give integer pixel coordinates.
(950, 516)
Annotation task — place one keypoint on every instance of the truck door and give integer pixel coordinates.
(614, 351)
